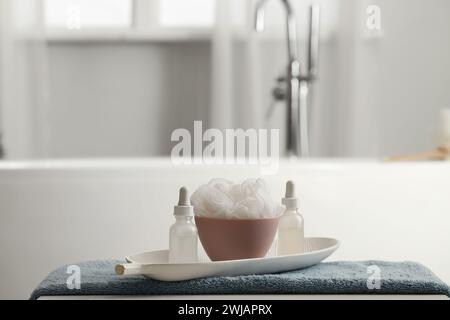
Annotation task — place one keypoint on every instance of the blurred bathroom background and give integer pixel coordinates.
(114, 78)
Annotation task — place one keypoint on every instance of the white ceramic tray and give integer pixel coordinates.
(155, 264)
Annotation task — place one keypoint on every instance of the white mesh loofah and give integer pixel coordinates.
(223, 199)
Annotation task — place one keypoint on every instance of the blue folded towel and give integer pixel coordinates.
(98, 279)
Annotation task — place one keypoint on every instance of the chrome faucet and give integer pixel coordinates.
(294, 86)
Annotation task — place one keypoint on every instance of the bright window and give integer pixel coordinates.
(94, 14)
(192, 13)
(79, 14)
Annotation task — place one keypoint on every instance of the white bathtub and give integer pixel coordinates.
(60, 212)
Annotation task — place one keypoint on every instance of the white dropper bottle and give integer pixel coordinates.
(291, 236)
(183, 241)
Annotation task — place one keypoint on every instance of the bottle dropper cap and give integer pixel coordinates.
(290, 201)
(290, 190)
(184, 208)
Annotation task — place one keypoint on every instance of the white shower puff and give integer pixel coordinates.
(222, 199)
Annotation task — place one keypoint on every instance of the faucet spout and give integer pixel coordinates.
(260, 16)
(297, 83)
(291, 26)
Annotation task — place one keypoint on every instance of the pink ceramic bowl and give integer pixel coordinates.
(236, 239)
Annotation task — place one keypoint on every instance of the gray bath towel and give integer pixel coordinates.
(370, 277)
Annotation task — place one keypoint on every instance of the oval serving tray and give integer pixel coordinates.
(155, 264)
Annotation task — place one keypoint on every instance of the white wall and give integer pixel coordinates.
(125, 99)
(112, 99)
(393, 83)
(22, 78)
(376, 95)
